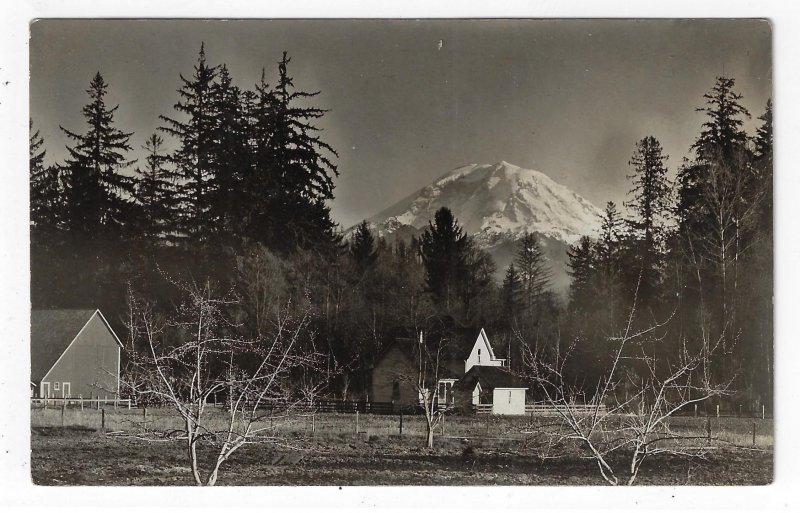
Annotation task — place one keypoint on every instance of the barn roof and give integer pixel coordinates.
(489, 378)
(52, 331)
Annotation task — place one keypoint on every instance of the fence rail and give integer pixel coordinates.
(79, 401)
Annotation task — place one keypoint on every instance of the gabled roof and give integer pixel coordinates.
(489, 378)
(482, 335)
(52, 331)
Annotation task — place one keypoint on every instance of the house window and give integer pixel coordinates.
(442, 391)
(509, 397)
(55, 386)
(479, 355)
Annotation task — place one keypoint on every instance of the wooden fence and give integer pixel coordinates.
(44, 402)
(545, 410)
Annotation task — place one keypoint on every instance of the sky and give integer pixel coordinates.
(569, 98)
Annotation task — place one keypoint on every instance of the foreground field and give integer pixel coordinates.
(327, 451)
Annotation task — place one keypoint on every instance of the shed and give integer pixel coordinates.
(492, 386)
(74, 353)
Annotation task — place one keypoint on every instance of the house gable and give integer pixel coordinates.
(482, 354)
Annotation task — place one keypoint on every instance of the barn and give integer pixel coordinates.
(74, 353)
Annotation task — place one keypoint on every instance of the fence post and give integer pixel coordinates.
(63, 411)
(754, 434)
(401, 422)
(740, 410)
(313, 425)
(487, 423)
(717, 411)
(442, 423)
(103, 420)
(81, 402)
(763, 412)
(356, 421)
(144, 416)
(708, 428)
(695, 409)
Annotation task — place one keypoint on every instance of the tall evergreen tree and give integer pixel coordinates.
(302, 172)
(510, 291)
(582, 269)
(231, 158)
(362, 247)
(194, 160)
(650, 204)
(534, 271)
(45, 189)
(155, 192)
(443, 247)
(99, 195)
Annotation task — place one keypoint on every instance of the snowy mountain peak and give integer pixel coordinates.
(490, 200)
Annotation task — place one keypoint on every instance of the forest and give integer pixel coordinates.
(233, 193)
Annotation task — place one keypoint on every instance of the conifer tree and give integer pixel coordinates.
(155, 192)
(582, 269)
(194, 159)
(45, 190)
(650, 204)
(362, 247)
(98, 194)
(302, 173)
(231, 159)
(534, 271)
(509, 291)
(443, 247)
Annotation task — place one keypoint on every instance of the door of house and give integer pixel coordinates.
(65, 390)
(45, 389)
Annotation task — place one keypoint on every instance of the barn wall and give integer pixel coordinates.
(508, 401)
(90, 364)
(389, 370)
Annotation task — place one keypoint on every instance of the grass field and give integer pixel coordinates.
(326, 450)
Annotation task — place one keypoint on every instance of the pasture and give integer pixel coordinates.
(69, 446)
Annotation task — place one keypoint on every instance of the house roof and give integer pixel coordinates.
(455, 351)
(489, 378)
(52, 331)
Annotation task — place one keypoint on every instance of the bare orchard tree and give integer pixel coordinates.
(428, 358)
(625, 415)
(188, 358)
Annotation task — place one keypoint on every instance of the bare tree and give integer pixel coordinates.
(189, 358)
(625, 417)
(424, 381)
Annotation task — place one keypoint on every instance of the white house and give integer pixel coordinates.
(491, 385)
(482, 354)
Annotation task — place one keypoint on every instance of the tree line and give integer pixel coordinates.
(233, 189)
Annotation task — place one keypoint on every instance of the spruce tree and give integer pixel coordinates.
(301, 171)
(194, 160)
(510, 291)
(534, 271)
(45, 189)
(155, 193)
(98, 194)
(650, 205)
(443, 247)
(231, 158)
(582, 269)
(362, 247)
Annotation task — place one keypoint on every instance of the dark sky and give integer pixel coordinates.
(569, 98)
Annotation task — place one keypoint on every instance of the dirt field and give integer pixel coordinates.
(331, 453)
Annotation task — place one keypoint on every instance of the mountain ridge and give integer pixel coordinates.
(497, 204)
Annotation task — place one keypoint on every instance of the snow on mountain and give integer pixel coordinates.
(493, 199)
(497, 203)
